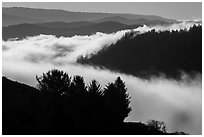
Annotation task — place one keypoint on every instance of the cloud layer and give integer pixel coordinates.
(177, 103)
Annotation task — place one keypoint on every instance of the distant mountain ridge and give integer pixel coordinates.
(70, 25)
(8, 19)
(139, 21)
(23, 30)
(54, 15)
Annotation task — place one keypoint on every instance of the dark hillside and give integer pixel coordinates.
(80, 110)
(18, 107)
(153, 53)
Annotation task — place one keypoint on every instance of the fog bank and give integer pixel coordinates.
(177, 103)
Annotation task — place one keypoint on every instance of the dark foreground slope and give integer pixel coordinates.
(153, 53)
(25, 110)
(18, 107)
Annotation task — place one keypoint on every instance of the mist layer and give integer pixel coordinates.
(177, 103)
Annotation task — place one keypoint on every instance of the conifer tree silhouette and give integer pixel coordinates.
(54, 82)
(117, 100)
(94, 88)
(54, 85)
(78, 86)
(96, 104)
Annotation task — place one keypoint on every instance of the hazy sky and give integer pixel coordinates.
(173, 10)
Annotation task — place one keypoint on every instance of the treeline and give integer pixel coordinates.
(79, 107)
(65, 105)
(153, 53)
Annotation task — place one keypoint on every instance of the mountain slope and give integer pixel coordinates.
(70, 25)
(153, 53)
(23, 30)
(139, 21)
(53, 15)
(11, 20)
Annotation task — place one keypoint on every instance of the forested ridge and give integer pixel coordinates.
(153, 53)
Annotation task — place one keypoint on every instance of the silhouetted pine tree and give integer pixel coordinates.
(79, 102)
(54, 82)
(117, 100)
(96, 104)
(94, 88)
(123, 97)
(78, 86)
(54, 85)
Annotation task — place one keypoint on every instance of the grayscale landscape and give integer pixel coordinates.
(87, 72)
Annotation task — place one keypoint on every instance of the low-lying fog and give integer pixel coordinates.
(177, 103)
